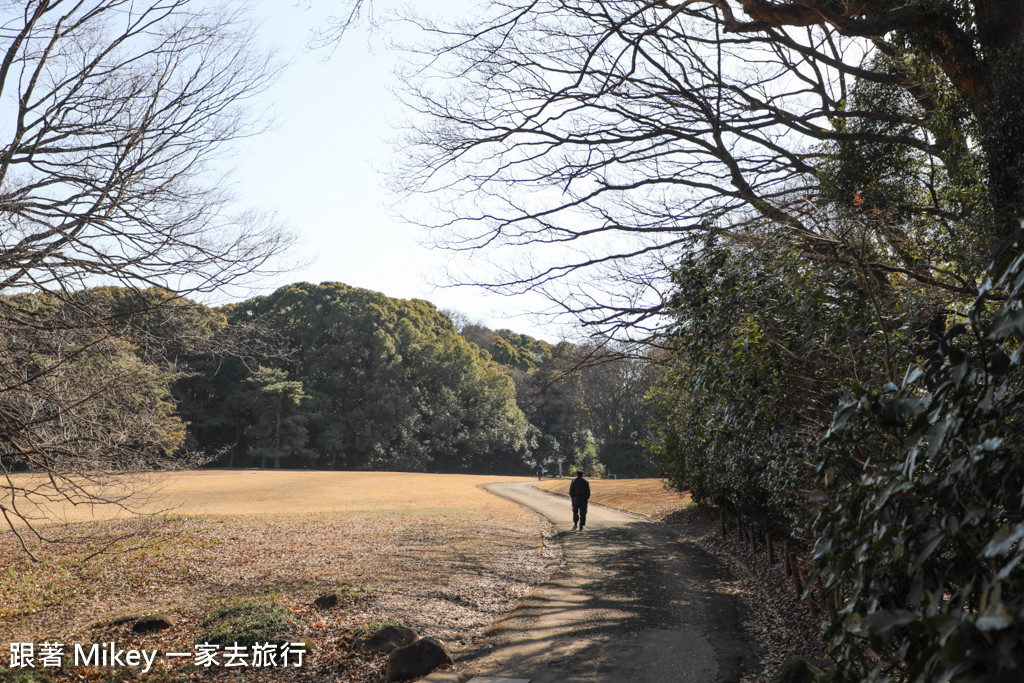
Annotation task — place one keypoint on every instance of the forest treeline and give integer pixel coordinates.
(336, 377)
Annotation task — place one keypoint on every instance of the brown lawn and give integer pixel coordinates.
(248, 492)
(435, 552)
(649, 497)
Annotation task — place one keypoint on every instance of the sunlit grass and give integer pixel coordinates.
(649, 497)
(405, 546)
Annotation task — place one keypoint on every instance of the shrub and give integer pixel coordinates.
(250, 622)
(369, 627)
(923, 553)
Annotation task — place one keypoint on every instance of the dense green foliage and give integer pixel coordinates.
(587, 403)
(872, 412)
(367, 382)
(912, 503)
(923, 551)
(511, 349)
(326, 376)
(766, 342)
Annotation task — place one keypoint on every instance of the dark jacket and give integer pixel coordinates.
(579, 489)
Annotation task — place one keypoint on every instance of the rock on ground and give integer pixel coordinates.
(417, 659)
(387, 639)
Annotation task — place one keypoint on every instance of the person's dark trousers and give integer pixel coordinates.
(579, 513)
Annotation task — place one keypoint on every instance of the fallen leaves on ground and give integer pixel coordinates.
(447, 575)
(779, 620)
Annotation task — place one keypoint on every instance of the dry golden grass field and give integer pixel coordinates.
(644, 496)
(289, 492)
(435, 552)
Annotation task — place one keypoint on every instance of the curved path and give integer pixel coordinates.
(633, 601)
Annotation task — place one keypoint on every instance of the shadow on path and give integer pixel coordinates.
(633, 601)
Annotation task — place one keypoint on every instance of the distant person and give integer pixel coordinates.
(540, 472)
(579, 491)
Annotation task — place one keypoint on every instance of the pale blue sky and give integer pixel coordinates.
(320, 169)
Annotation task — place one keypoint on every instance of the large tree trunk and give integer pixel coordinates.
(1000, 25)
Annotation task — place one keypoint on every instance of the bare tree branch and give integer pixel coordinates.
(113, 112)
(583, 144)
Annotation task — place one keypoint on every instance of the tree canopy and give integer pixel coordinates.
(586, 403)
(368, 382)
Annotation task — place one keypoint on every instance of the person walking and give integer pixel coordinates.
(540, 471)
(579, 492)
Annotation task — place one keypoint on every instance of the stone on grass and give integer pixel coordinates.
(117, 621)
(417, 659)
(153, 622)
(327, 601)
(387, 639)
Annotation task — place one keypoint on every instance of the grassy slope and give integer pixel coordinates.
(645, 496)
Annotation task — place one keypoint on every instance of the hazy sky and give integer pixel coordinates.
(320, 168)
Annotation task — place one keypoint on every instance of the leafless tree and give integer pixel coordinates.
(112, 114)
(585, 144)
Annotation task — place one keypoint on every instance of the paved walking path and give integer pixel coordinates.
(633, 601)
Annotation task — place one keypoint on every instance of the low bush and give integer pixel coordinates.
(250, 622)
